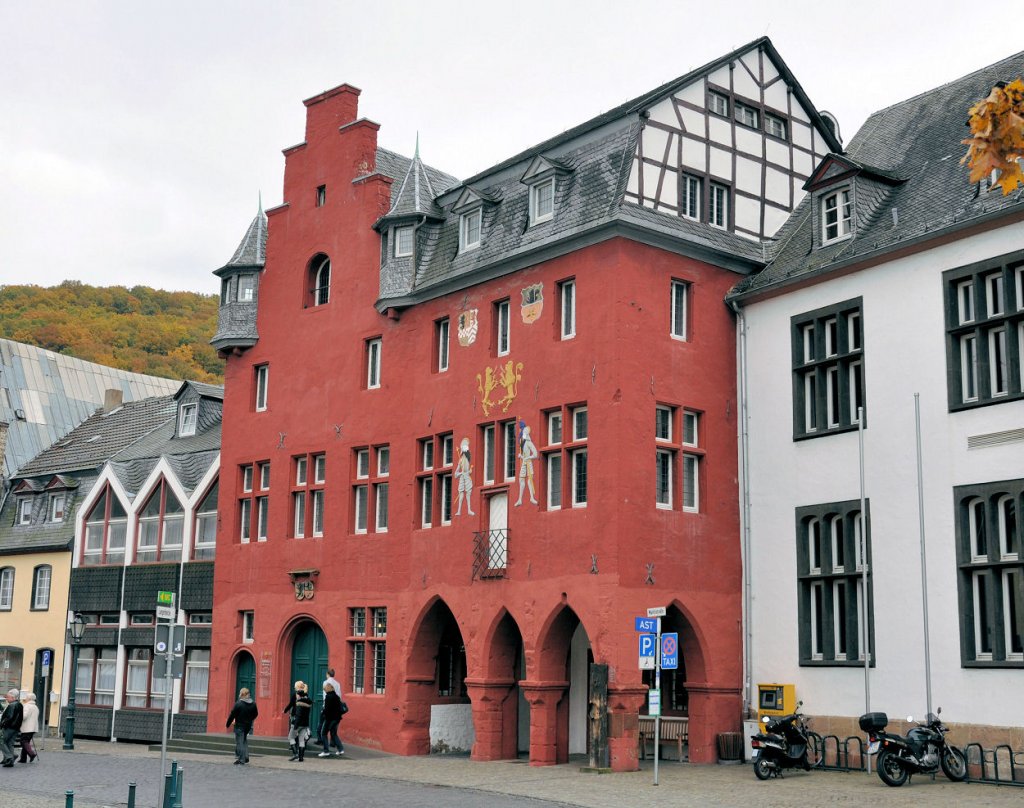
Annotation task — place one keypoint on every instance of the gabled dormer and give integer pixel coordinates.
(543, 177)
(240, 278)
(199, 406)
(470, 207)
(846, 195)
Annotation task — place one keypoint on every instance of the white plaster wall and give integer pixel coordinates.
(749, 140)
(800, 133)
(451, 727)
(776, 187)
(720, 131)
(904, 354)
(654, 143)
(693, 121)
(748, 176)
(694, 93)
(743, 84)
(695, 154)
(721, 163)
(747, 213)
(775, 95)
(776, 152)
(663, 112)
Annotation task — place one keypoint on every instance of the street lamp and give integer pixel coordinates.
(77, 630)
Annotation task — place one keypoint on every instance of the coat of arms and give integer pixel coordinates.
(502, 378)
(467, 328)
(533, 302)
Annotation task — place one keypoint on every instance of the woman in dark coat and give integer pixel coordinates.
(298, 726)
(333, 711)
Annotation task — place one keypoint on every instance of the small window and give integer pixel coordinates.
(200, 618)
(41, 587)
(965, 302)
(994, 294)
(568, 295)
(248, 626)
(144, 619)
(373, 351)
(6, 588)
(300, 471)
(689, 197)
(579, 478)
(748, 116)
(246, 288)
(25, 511)
(502, 312)
(774, 126)
(403, 241)
(247, 478)
(321, 277)
(188, 416)
(447, 450)
(428, 454)
(718, 206)
(554, 481)
(691, 483)
(836, 216)
(718, 104)
(362, 463)
(691, 422)
(542, 201)
(663, 478)
(469, 230)
(262, 380)
(361, 500)
(264, 476)
(679, 305)
(383, 461)
(554, 428)
(443, 329)
(489, 453)
(579, 424)
(57, 503)
(319, 468)
(321, 195)
(663, 423)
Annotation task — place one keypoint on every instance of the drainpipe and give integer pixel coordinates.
(742, 436)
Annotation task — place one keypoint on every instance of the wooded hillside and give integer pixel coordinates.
(139, 329)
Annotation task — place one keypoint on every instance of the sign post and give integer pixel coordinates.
(163, 645)
(657, 613)
(45, 706)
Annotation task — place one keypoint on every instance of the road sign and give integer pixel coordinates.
(165, 605)
(648, 625)
(647, 646)
(45, 663)
(169, 634)
(670, 651)
(160, 667)
(654, 703)
(657, 611)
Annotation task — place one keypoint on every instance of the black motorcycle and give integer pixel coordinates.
(923, 750)
(786, 743)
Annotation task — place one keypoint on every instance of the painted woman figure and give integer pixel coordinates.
(527, 454)
(464, 474)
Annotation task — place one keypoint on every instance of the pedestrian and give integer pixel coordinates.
(243, 714)
(10, 726)
(29, 727)
(321, 735)
(334, 709)
(299, 707)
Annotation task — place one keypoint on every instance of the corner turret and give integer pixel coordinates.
(240, 277)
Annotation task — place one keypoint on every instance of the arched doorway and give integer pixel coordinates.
(501, 715)
(309, 664)
(245, 673)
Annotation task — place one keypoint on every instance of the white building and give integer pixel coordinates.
(894, 277)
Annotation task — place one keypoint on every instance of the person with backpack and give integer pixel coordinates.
(334, 709)
(243, 714)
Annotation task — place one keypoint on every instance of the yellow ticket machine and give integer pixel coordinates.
(775, 700)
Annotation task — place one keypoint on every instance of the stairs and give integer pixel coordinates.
(221, 743)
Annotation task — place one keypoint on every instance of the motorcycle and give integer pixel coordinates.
(924, 750)
(786, 743)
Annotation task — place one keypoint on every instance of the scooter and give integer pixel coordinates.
(924, 750)
(786, 743)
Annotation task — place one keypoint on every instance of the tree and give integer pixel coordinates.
(996, 145)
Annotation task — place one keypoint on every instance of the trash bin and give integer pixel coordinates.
(730, 747)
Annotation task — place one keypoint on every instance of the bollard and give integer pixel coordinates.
(177, 790)
(69, 799)
(131, 795)
(166, 801)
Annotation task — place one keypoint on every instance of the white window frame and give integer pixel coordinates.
(689, 199)
(248, 626)
(555, 428)
(319, 469)
(25, 511)
(447, 450)
(1008, 588)
(1018, 282)
(404, 241)
(508, 429)
(373, 363)
(383, 461)
(362, 464)
(965, 302)
(837, 216)
(969, 368)
(817, 594)
(579, 417)
(718, 206)
(41, 587)
(262, 387)
(718, 103)
(362, 502)
(691, 423)
(774, 126)
(998, 362)
(994, 297)
(859, 559)
(747, 115)
(262, 517)
(299, 514)
(443, 344)
(264, 468)
(7, 589)
(427, 501)
(380, 498)
(577, 500)
(838, 543)
(57, 506)
(1006, 540)
(980, 608)
(188, 417)
(663, 478)
(490, 457)
(810, 396)
(839, 618)
(503, 313)
(470, 229)
(832, 396)
(691, 495)
(245, 520)
(663, 416)
(568, 296)
(554, 475)
(445, 500)
(322, 291)
(247, 478)
(814, 546)
(199, 695)
(679, 315)
(317, 500)
(300, 471)
(542, 207)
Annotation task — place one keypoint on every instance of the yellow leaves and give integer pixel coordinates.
(996, 145)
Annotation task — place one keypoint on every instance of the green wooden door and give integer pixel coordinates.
(245, 675)
(309, 664)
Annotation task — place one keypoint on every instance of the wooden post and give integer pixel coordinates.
(597, 718)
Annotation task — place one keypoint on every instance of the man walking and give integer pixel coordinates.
(321, 727)
(243, 714)
(10, 727)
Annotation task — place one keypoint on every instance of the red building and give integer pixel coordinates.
(474, 428)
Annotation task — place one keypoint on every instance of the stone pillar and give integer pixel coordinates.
(494, 724)
(713, 709)
(624, 703)
(549, 743)
(414, 736)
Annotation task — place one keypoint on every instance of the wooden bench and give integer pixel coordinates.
(673, 729)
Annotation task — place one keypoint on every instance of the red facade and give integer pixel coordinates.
(595, 566)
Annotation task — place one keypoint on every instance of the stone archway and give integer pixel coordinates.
(500, 715)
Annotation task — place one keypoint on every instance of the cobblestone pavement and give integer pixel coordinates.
(99, 773)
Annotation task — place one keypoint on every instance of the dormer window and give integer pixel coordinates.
(58, 501)
(542, 201)
(246, 288)
(836, 216)
(469, 229)
(403, 241)
(188, 416)
(24, 511)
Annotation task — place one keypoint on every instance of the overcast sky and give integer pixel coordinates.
(136, 136)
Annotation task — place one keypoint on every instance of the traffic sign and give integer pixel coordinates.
(647, 646)
(160, 667)
(657, 611)
(648, 625)
(670, 651)
(45, 663)
(169, 634)
(654, 703)
(165, 605)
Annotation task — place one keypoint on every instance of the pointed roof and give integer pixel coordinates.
(252, 251)
(416, 194)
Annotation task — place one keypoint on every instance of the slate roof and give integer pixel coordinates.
(215, 391)
(415, 194)
(394, 165)
(917, 141)
(42, 535)
(252, 249)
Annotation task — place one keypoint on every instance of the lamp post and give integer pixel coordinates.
(77, 630)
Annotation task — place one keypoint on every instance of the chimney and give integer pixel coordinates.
(112, 399)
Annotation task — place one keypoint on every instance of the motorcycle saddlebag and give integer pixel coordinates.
(873, 722)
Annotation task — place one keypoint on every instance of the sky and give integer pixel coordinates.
(137, 137)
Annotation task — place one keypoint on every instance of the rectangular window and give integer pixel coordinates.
(319, 468)
(748, 116)
(197, 680)
(663, 478)
(264, 476)
(828, 391)
(469, 229)
(994, 301)
(139, 678)
(57, 502)
(718, 103)
(246, 288)
(836, 216)
(542, 201)
(774, 126)
(447, 450)
(248, 626)
(299, 514)
(446, 498)
(579, 478)
(997, 367)
(509, 444)
(691, 436)
(41, 588)
(383, 461)
(403, 242)
(663, 423)
(300, 471)
(443, 328)
(689, 197)
(718, 206)
(188, 416)
(691, 483)
(554, 486)
(990, 573)
(25, 511)
(262, 377)
(7, 588)
(262, 503)
(362, 463)
(489, 453)
(317, 497)
(679, 309)
(579, 423)
(373, 351)
(321, 195)
(379, 666)
(245, 519)
(427, 501)
(568, 295)
(554, 428)
(381, 497)
(361, 501)
(502, 315)
(965, 302)
(358, 666)
(830, 597)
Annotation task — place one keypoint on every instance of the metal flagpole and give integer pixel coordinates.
(865, 633)
(924, 558)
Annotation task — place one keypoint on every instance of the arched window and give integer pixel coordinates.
(41, 577)
(976, 529)
(320, 280)
(161, 525)
(106, 528)
(1009, 545)
(206, 526)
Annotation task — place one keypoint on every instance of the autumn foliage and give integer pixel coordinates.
(138, 329)
(997, 137)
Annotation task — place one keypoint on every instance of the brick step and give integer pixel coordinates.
(223, 744)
